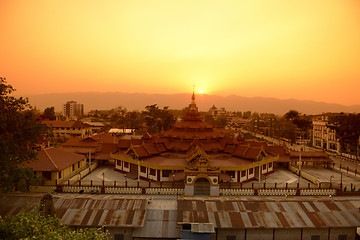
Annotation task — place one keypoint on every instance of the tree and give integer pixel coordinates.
(19, 133)
(287, 130)
(117, 117)
(291, 115)
(32, 224)
(49, 113)
(157, 119)
(347, 127)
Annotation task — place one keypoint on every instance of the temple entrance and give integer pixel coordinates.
(133, 174)
(202, 187)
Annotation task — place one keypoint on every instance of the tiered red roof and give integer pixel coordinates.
(193, 133)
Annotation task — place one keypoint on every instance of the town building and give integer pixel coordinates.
(214, 111)
(196, 153)
(66, 129)
(55, 165)
(323, 136)
(73, 110)
(96, 147)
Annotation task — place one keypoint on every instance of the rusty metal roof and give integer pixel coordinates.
(269, 213)
(85, 210)
(159, 223)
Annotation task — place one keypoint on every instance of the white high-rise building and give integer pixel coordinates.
(73, 109)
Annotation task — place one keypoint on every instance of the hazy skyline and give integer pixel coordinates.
(281, 48)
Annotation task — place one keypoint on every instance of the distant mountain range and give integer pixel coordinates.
(138, 101)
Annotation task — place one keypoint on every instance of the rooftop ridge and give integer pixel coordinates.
(47, 154)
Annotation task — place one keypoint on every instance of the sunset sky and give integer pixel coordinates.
(306, 49)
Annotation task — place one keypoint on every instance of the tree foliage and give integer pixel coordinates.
(32, 224)
(347, 127)
(301, 122)
(49, 113)
(19, 133)
(157, 119)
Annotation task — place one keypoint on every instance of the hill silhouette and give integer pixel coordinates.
(138, 101)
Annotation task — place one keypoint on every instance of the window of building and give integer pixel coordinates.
(166, 173)
(230, 237)
(126, 165)
(59, 175)
(78, 164)
(143, 169)
(251, 171)
(342, 237)
(264, 167)
(186, 227)
(315, 237)
(118, 236)
(243, 173)
(152, 172)
(118, 162)
(73, 167)
(46, 175)
(270, 165)
(231, 173)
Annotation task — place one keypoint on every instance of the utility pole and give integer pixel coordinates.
(299, 166)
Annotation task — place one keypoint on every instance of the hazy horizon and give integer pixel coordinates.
(138, 101)
(273, 49)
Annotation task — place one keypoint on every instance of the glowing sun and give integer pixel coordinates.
(201, 91)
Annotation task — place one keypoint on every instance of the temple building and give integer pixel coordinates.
(197, 154)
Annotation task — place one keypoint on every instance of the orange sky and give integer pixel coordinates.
(272, 48)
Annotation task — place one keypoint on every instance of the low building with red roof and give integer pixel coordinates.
(55, 165)
(96, 147)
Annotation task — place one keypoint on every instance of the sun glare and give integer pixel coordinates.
(201, 91)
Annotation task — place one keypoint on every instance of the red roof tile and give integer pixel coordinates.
(105, 138)
(80, 142)
(240, 150)
(150, 148)
(54, 159)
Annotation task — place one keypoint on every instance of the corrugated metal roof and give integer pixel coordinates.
(99, 210)
(85, 210)
(269, 213)
(159, 224)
